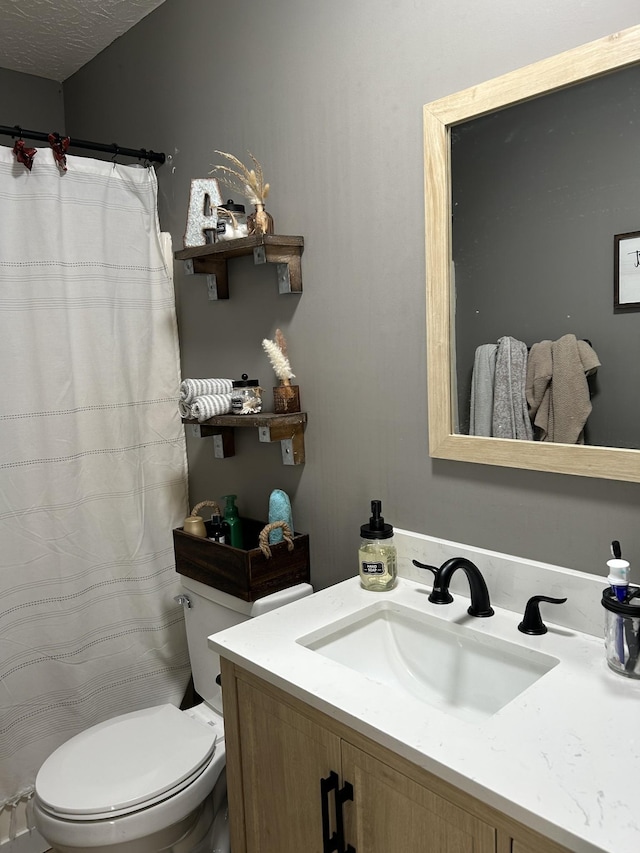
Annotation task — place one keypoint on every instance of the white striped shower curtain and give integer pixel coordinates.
(92, 460)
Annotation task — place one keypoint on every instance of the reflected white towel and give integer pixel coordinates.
(209, 405)
(192, 388)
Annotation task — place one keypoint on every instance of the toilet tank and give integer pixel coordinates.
(207, 611)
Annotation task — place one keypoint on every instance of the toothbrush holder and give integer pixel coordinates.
(622, 632)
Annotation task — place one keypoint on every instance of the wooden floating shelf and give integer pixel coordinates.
(211, 260)
(287, 429)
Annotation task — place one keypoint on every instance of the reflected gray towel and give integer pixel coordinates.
(510, 412)
(482, 381)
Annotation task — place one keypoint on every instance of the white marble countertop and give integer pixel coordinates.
(562, 758)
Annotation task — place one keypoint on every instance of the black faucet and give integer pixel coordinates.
(480, 604)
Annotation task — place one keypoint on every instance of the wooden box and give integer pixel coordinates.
(247, 574)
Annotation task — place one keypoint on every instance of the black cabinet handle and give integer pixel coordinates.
(342, 796)
(329, 839)
(334, 841)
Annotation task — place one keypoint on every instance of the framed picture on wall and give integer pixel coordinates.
(626, 270)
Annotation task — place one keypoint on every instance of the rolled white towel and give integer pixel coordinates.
(184, 409)
(209, 405)
(192, 388)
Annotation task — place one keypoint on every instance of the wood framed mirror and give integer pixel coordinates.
(447, 119)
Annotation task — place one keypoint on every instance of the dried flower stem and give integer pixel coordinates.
(222, 211)
(279, 361)
(248, 182)
(281, 342)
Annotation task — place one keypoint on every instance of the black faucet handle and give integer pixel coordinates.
(438, 595)
(433, 569)
(532, 621)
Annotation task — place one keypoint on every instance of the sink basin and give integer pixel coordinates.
(443, 664)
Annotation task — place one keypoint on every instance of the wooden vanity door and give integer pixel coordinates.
(392, 813)
(284, 755)
(536, 844)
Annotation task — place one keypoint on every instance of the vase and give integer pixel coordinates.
(286, 399)
(260, 221)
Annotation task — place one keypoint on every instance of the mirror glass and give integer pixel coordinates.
(538, 192)
(528, 180)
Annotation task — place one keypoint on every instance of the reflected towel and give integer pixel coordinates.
(510, 413)
(557, 388)
(482, 380)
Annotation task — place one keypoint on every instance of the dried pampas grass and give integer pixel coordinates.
(249, 183)
(277, 354)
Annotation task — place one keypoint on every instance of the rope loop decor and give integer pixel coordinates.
(263, 539)
(213, 504)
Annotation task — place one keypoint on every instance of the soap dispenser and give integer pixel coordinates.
(233, 520)
(377, 560)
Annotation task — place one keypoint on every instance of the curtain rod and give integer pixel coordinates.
(141, 153)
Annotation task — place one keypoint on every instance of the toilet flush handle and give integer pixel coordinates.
(184, 600)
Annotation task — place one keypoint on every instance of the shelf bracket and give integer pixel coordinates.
(292, 450)
(291, 438)
(284, 278)
(216, 271)
(212, 287)
(224, 444)
(288, 265)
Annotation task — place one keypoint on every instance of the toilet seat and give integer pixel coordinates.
(126, 764)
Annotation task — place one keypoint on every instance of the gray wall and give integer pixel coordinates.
(30, 102)
(329, 97)
(539, 191)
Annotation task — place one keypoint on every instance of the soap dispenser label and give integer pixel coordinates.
(370, 568)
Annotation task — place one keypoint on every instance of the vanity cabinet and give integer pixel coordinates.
(283, 756)
(392, 812)
(280, 749)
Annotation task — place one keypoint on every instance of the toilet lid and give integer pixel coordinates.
(125, 762)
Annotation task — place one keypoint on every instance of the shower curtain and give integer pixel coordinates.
(92, 459)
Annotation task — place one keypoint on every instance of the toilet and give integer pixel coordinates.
(152, 780)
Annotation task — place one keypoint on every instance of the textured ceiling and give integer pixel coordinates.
(54, 38)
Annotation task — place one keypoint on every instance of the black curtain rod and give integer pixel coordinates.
(141, 153)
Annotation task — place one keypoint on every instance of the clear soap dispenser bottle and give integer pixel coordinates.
(377, 561)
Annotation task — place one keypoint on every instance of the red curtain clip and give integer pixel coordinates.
(23, 154)
(59, 146)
